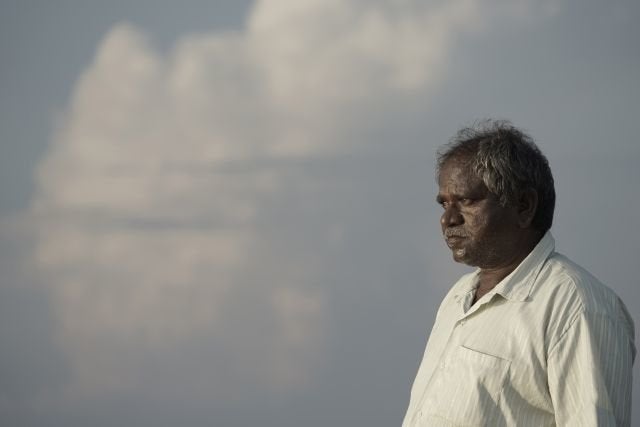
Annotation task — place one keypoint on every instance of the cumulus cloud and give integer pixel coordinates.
(162, 230)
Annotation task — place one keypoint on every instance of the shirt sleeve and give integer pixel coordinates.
(590, 372)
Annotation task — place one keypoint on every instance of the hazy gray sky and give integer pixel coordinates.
(222, 213)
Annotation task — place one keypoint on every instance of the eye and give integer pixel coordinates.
(466, 201)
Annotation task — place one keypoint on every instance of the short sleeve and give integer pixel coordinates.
(590, 372)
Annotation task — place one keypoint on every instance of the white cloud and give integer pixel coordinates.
(151, 206)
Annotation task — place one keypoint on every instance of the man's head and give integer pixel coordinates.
(497, 191)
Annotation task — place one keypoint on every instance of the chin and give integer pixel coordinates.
(459, 255)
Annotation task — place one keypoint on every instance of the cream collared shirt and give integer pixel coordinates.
(549, 345)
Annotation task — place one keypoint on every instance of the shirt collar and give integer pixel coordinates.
(517, 285)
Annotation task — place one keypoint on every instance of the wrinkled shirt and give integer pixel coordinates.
(548, 345)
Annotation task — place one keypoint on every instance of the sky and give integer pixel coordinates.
(223, 212)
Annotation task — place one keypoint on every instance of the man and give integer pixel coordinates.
(529, 338)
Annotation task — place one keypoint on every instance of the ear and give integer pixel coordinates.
(527, 207)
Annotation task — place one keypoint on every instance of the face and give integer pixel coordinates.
(477, 229)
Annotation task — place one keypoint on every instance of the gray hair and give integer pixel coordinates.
(508, 162)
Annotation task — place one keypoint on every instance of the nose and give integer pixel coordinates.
(451, 217)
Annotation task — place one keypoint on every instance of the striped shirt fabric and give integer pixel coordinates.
(548, 346)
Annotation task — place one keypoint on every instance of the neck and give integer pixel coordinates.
(490, 276)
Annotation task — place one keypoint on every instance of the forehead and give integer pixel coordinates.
(457, 178)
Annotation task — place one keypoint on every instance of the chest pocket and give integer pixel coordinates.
(466, 390)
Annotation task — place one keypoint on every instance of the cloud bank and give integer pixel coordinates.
(185, 235)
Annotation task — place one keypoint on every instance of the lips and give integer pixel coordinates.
(453, 240)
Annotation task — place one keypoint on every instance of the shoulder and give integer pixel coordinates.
(572, 289)
(572, 279)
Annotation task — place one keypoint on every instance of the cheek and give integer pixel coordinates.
(475, 224)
